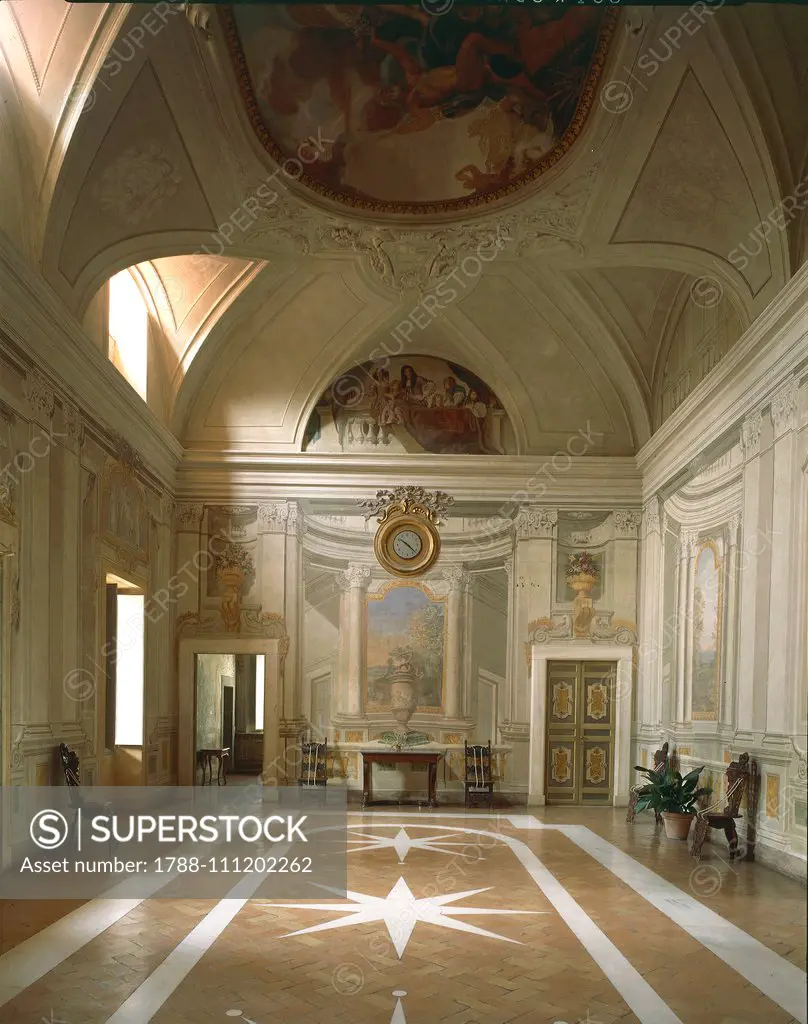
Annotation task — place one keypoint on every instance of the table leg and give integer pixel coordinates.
(225, 759)
(209, 760)
(367, 782)
(433, 784)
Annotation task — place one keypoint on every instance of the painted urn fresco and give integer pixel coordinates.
(391, 108)
(415, 404)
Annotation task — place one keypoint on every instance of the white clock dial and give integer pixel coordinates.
(407, 544)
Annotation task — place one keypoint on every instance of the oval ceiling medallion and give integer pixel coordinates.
(390, 109)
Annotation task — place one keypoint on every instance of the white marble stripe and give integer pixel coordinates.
(772, 974)
(150, 995)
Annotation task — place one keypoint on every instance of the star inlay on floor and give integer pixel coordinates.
(400, 911)
(402, 843)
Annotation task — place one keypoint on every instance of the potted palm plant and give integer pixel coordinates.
(674, 795)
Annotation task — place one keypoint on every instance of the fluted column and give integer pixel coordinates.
(689, 622)
(681, 626)
(506, 700)
(355, 579)
(729, 682)
(649, 710)
(456, 611)
(784, 624)
(533, 571)
(748, 642)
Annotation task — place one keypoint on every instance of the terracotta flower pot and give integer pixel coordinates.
(677, 826)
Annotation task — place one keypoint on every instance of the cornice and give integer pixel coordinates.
(773, 348)
(589, 481)
(39, 331)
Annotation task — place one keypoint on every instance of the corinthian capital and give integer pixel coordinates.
(535, 521)
(750, 434)
(626, 522)
(784, 408)
(280, 517)
(355, 575)
(650, 517)
(187, 516)
(456, 576)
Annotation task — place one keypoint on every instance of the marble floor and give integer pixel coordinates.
(567, 916)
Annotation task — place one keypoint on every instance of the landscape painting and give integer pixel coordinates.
(405, 615)
(411, 404)
(391, 107)
(707, 616)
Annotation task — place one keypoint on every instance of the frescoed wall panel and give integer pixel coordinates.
(708, 598)
(405, 615)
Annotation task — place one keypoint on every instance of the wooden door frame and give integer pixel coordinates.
(541, 654)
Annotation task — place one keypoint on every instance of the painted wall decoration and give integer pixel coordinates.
(707, 623)
(405, 615)
(390, 108)
(416, 404)
(123, 510)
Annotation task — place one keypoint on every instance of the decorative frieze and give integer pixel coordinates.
(784, 408)
(626, 522)
(750, 434)
(535, 521)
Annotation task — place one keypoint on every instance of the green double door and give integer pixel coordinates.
(580, 732)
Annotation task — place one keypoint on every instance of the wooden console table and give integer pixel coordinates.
(204, 760)
(428, 757)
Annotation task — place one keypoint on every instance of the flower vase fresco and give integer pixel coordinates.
(582, 574)
(234, 565)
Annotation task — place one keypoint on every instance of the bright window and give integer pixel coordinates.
(128, 330)
(129, 671)
(259, 692)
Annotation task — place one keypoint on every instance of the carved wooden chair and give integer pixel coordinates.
(313, 767)
(742, 777)
(660, 764)
(69, 760)
(479, 779)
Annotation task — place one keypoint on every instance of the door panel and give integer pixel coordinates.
(580, 732)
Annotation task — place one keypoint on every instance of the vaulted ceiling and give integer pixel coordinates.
(612, 280)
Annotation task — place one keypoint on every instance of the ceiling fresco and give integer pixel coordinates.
(417, 113)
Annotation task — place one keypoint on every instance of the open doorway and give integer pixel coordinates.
(230, 710)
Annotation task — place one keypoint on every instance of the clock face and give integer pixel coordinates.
(407, 544)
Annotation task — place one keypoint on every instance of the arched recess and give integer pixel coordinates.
(446, 339)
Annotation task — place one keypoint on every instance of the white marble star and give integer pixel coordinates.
(401, 911)
(402, 843)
